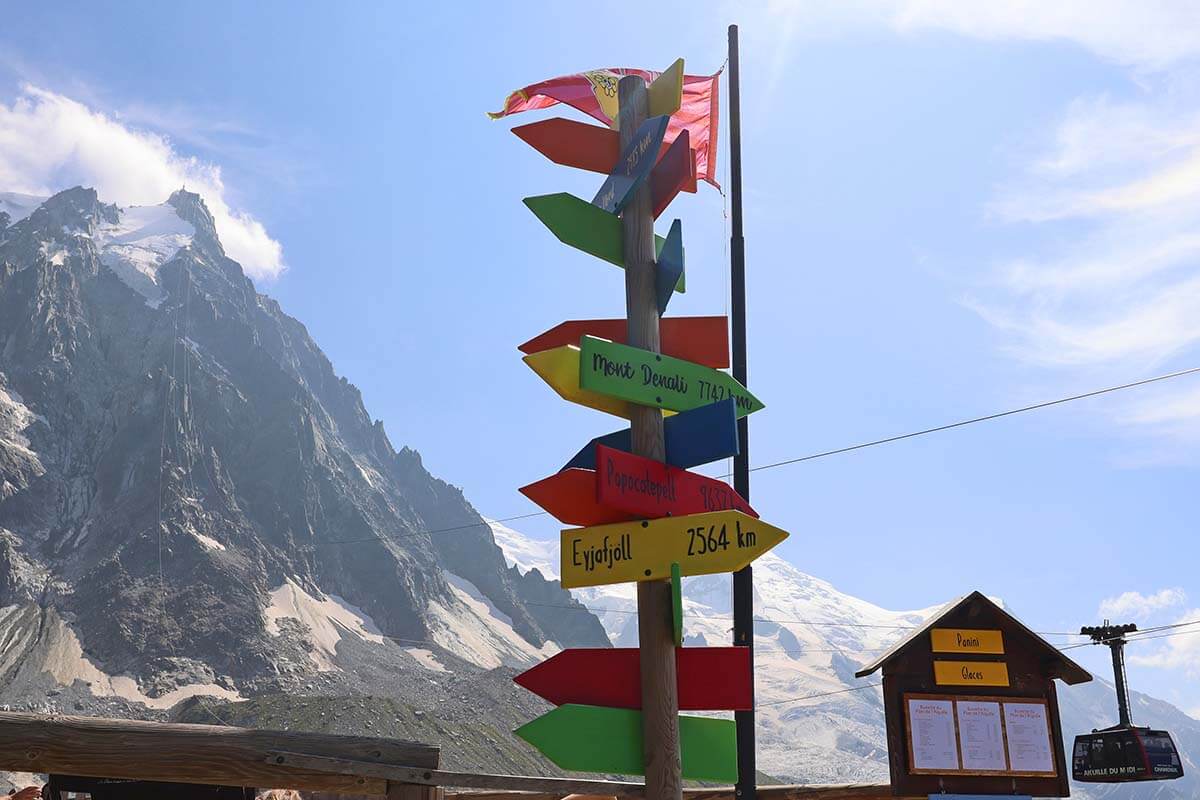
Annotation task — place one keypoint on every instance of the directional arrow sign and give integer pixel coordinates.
(665, 93)
(709, 678)
(585, 227)
(675, 172)
(570, 497)
(695, 437)
(634, 165)
(702, 544)
(668, 269)
(703, 340)
(559, 367)
(649, 379)
(644, 488)
(596, 739)
(573, 144)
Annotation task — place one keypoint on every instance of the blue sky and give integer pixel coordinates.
(950, 211)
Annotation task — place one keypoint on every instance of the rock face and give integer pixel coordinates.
(190, 496)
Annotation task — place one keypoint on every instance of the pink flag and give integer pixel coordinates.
(595, 94)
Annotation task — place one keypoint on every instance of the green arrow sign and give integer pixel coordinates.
(598, 739)
(586, 227)
(649, 379)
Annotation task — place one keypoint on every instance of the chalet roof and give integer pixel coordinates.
(1058, 665)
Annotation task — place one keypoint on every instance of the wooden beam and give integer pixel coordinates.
(398, 773)
(156, 751)
(853, 791)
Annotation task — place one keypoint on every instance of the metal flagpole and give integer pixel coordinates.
(743, 581)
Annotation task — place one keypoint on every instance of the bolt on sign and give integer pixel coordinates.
(641, 519)
(971, 707)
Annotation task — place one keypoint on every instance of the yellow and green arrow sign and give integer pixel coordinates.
(559, 367)
(599, 739)
(701, 544)
(650, 379)
(586, 227)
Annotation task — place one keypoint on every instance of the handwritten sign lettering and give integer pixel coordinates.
(702, 544)
(959, 640)
(634, 165)
(646, 488)
(970, 673)
(646, 378)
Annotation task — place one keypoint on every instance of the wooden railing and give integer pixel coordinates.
(351, 765)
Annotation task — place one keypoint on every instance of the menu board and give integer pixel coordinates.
(931, 734)
(981, 735)
(1028, 737)
(974, 735)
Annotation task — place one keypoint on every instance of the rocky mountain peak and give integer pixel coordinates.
(191, 208)
(191, 497)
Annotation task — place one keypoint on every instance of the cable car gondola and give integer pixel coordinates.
(1119, 754)
(1123, 752)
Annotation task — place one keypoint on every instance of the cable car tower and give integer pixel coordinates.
(1114, 637)
(1123, 752)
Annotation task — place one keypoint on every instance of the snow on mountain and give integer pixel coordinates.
(142, 240)
(816, 722)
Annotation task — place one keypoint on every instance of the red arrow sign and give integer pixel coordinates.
(570, 497)
(573, 144)
(596, 149)
(709, 678)
(649, 489)
(701, 340)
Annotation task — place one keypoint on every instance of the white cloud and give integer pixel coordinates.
(1148, 34)
(1181, 650)
(49, 142)
(1137, 606)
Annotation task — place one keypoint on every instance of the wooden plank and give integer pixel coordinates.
(695, 437)
(633, 167)
(702, 340)
(570, 497)
(643, 488)
(709, 678)
(598, 739)
(669, 267)
(702, 544)
(398, 773)
(413, 791)
(211, 754)
(849, 791)
(648, 379)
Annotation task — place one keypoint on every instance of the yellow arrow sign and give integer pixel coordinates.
(666, 92)
(559, 367)
(701, 544)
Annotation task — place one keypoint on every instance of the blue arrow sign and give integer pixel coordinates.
(633, 166)
(694, 437)
(669, 268)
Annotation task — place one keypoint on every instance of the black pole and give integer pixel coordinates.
(1118, 659)
(1114, 637)
(743, 580)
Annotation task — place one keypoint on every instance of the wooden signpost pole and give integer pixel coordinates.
(660, 697)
